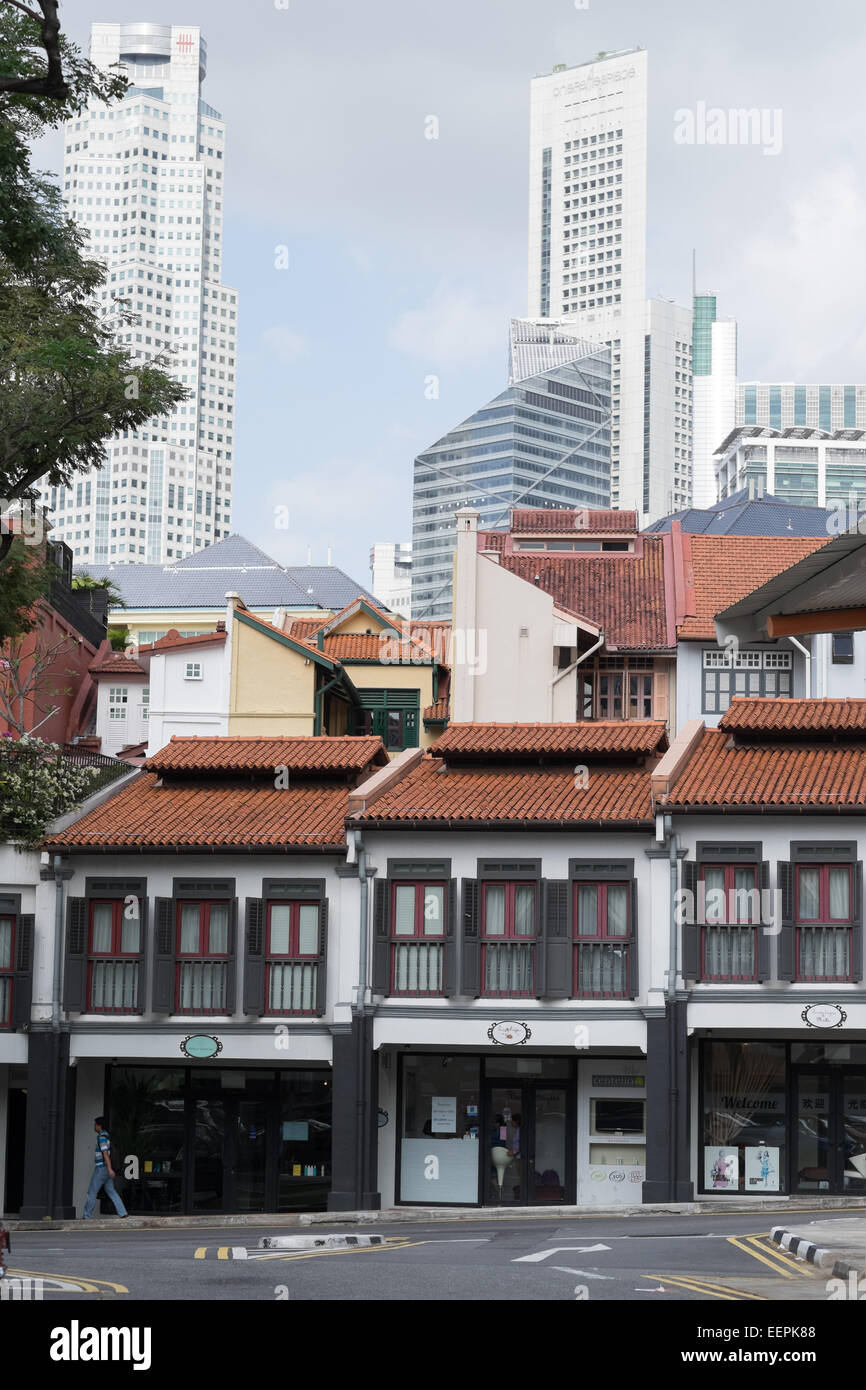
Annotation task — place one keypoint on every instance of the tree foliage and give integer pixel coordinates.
(26, 578)
(36, 784)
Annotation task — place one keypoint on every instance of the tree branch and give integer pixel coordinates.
(53, 82)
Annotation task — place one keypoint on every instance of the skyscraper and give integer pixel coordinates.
(542, 442)
(714, 386)
(587, 260)
(145, 178)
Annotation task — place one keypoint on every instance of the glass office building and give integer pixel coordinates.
(543, 442)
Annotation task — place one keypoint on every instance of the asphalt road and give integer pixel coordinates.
(647, 1259)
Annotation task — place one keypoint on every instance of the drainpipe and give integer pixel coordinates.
(568, 670)
(54, 1109)
(808, 655)
(360, 1013)
(671, 991)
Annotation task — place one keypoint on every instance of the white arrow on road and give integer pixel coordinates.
(658, 1290)
(543, 1254)
(584, 1273)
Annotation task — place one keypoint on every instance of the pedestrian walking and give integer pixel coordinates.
(103, 1173)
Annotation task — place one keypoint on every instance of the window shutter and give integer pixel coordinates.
(75, 968)
(470, 975)
(143, 951)
(449, 978)
(787, 941)
(634, 962)
(22, 979)
(764, 935)
(164, 958)
(322, 971)
(254, 960)
(691, 930)
(857, 934)
(381, 983)
(554, 948)
(232, 967)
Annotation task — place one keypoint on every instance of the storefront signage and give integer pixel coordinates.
(508, 1034)
(823, 1016)
(443, 1114)
(619, 1081)
(201, 1046)
(382, 1118)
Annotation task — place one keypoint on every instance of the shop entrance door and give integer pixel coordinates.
(829, 1147)
(527, 1150)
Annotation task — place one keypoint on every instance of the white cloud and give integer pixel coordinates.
(286, 345)
(452, 329)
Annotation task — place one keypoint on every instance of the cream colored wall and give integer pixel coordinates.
(360, 622)
(143, 620)
(272, 687)
(512, 674)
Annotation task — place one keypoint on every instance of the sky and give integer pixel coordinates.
(408, 255)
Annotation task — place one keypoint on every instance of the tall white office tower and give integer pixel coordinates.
(145, 178)
(714, 367)
(587, 260)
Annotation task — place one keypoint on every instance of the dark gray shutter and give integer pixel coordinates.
(22, 978)
(470, 952)
(254, 960)
(633, 957)
(75, 968)
(381, 981)
(555, 948)
(787, 938)
(232, 967)
(691, 929)
(322, 970)
(164, 957)
(143, 951)
(449, 975)
(857, 915)
(764, 928)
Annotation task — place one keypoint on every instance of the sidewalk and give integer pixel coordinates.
(784, 1206)
(836, 1244)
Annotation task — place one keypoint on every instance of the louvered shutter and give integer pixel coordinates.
(765, 929)
(787, 937)
(555, 948)
(470, 950)
(691, 930)
(232, 966)
(75, 966)
(322, 970)
(449, 975)
(634, 946)
(143, 952)
(254, 959)
(164, 956)
(381, 982)
(22, 978)
(857, 942)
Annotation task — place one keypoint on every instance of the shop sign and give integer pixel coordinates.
(619, 1080)
(201, 1046)
(823, 1016)
(509, 1034)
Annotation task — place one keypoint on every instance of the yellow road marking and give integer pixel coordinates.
(347, 1250)
(222, 1252)
(802, 1267)
(200, 1253)
(775, 1265)
(704, 1286)
(87, 1285)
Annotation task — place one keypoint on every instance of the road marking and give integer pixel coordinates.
(543, 1254)
(584, 1273)
(660, 1289)
(70, 1281)
(240, 1252)
(775, 1264)
(201, 1252)
(705, 1286)
(802, 1267)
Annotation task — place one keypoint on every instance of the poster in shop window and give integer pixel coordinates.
(721, 1169)
(762, 1169)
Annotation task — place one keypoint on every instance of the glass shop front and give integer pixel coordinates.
(782, 1117)
(204, 1139)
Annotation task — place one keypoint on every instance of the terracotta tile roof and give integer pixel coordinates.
(795, 717)
(509, 741)
(388, 646)
(542, 520)
(174, 639)
(148, 816)
(301, 628)
(305, 753)
(623, 594)
(253, 621)
(435, 795)
(117, 665)
(720, 777)
(726, 568)
(437, 712)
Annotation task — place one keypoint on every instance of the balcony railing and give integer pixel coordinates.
(729, 953)
(824, 953)
(202, 986)
(113, 986)
(418, 967)
(107, 769)
(509, 968)
(602, 970)
(292, 987)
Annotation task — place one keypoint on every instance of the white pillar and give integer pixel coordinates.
(464, 615)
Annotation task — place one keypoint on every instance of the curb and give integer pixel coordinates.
(813, 1254)
(336, 1242)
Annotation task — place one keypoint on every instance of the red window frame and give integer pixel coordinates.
(509, 935)
(294, 953)
(7, 972)
(419, 934)
(823, 920)
(204, 906)
(601, 933)
(114, 952)
(730, 888)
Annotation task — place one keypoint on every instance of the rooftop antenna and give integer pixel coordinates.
(309, 554)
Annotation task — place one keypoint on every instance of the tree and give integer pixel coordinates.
(27, 576)
(29, 674)
(36, 784)
(66, 384)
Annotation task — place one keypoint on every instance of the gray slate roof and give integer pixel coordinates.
(739, 515)
(234, 565)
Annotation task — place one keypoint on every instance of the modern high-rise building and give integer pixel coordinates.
(806, 467)
(391, 570)
(145, 178)
(784, 406)
(542, 442)
(714, 389)
(587, 260)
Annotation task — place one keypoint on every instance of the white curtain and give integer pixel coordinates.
(524, 914)
(6, 943)
(617, 909)
(587, 909)
(114, 986)
(404, 910)
(281, 917)
(101, 936)
(434, 909)
(840, 880)
(219, 929)
(494, 910)
(508, 969)
(602, 970)
(189, 925)
(824, 953)
(203, 986)
(418, 967)
(292, 987)
(308, 929)
(808, 883)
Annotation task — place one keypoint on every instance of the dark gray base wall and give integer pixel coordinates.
(667, 1106)
(50, 1125)
(354, 1119)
